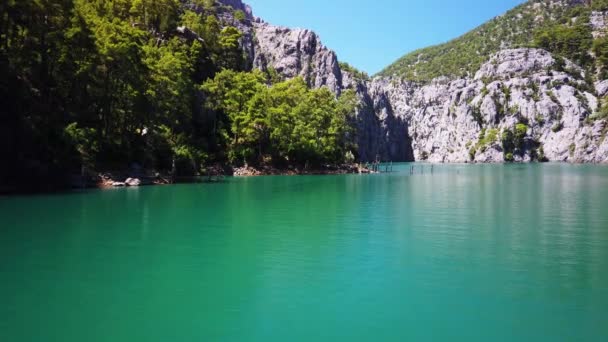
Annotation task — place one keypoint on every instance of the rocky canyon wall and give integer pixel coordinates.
(545, 103)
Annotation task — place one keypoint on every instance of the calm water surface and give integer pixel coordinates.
(469, 253)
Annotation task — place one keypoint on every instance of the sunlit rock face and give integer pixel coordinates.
(519, 86)
(296, 52)
(443, 121)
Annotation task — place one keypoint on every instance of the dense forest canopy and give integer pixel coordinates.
(108, 83)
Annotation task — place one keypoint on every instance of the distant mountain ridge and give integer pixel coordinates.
(462, 56)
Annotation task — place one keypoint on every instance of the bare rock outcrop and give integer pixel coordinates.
(446, 118)
(599, 23)
(239, 6)
(296, 52)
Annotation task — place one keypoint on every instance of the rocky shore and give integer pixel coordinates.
(212, 174)
(248, 171)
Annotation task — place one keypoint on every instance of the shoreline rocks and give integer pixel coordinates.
(133, 182)
(218, 171)
(248, 171)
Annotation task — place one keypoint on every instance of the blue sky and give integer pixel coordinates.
(371, 34)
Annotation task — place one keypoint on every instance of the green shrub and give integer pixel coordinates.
(507, 92)
(560, 64)
(602, 112)
(507, 140)
(239, 15)
(476, 112)
(521, 130)
(490, 137)
(553, 98)
(599, 5)
(349, 157)
(557, 127)
(535, 91)
(484, 91)
(472, 153)
(84, 141)
(357, 74)
(540, 119)
(572, 149)
(541, 155)
(486, 138)
(600, 50)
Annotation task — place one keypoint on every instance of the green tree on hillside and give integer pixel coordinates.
(159, 16)
(105, 84)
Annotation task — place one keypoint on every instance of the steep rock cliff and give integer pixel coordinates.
(452, 120)
(299, 52)
(519, 86)
(296, 52)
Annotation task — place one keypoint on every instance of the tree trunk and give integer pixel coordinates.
(173, 170)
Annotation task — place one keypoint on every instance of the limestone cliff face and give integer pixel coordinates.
(443, 121)
(459, 120)
(446, 118)
(381, 134)
(299, 52)
(296, 52)
(599, 22)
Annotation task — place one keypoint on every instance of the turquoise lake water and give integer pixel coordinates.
(468, 253)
